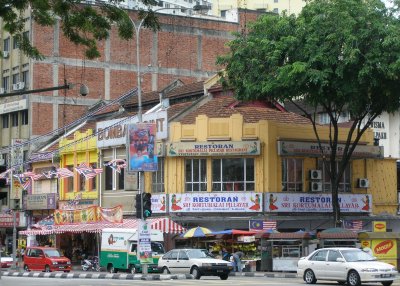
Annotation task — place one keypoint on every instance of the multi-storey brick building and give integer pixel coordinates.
(184, 48)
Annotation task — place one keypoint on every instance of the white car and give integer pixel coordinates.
(6, 261)
(351, 265)
(193, 261)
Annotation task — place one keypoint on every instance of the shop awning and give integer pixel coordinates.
(337, 233)
(163, 224)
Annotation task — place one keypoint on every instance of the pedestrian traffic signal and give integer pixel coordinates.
(146, 204)
(138, 206)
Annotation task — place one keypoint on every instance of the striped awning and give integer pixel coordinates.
(163, 224)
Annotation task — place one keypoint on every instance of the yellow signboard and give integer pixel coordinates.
(379, 226)
(384, 248)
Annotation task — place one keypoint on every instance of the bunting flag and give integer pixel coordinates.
(257, 225)
(88, 171)
(25, 182)
(64, 173)
(33, 176)
(5, 175)
(50, 174)
(116, 164)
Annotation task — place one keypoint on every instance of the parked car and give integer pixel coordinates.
(45, 259)
(351, 265)
(193, 261)
(6, 260)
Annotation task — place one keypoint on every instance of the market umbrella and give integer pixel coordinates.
(197, 232)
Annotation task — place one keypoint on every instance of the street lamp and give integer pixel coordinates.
(138, 27)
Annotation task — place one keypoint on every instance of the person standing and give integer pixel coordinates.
(237, 257)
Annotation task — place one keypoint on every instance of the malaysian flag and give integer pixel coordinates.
(88, 171)
(116, 164)
(24, 181)
(257, 225)
(354, 225)
(64, 173)
(5, 175)
(50, 174)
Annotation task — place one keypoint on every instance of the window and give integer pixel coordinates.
(15, 42)
(158, 177)
(69, 182)
(93, 181)
(14, 119)
(24, 117)
(319, 256)
(6, 45)
(345, 182)
(195, 175)
(276, 10)
(233, 174)
(6, 82)
(108, 177)
(276, 1)
(333, 255)
(5, 119)
(223, 13)
(25, 35)
(15, 78)
(82, 183)
(25, 78)
(292, 175)
(120, 179)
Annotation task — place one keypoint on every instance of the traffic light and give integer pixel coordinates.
(138, 206)
(146, 204)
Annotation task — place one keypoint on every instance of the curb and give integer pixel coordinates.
(97, 275)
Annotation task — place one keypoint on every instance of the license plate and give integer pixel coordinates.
(385, 275)
(61, 267)
(220, 270)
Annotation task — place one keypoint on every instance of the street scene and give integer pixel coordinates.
(242, 142)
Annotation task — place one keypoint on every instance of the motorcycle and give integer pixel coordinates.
(91, 263)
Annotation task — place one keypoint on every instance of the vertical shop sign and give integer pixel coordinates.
(144, 245)
(141, 147)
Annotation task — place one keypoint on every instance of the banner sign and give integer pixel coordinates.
(141, 148)
(311, 149)
(6, 220)
(16, 192)
(17, 155)
(159, 203)
(41, 202)
(216, 202)
(144, 242)
(88, 215)
(384, 248)
(302, 202)
(77, 204)
(9, 107)
(222, 148)
(113, 133)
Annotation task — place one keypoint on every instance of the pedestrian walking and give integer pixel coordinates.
(237, 257)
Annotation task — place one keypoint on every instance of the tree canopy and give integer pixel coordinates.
(338, 55)
(82, 24)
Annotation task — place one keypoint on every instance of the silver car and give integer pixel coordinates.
(193, 261)
(351, 265)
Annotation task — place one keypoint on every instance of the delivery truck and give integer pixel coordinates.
(119, 250)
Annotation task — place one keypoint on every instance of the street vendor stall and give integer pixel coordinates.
(281, 251)
(238, 240)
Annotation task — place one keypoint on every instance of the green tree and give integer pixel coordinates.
(82, 24)
(341, 55)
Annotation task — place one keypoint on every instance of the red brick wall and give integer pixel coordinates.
(177, 58)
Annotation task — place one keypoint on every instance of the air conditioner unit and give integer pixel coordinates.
(316, 187)
(2, 90)
(363, 183)
(6, 54)
(315, 174)
(19, 85)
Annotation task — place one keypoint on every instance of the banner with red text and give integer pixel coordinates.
(301, 202)
(216, 202)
